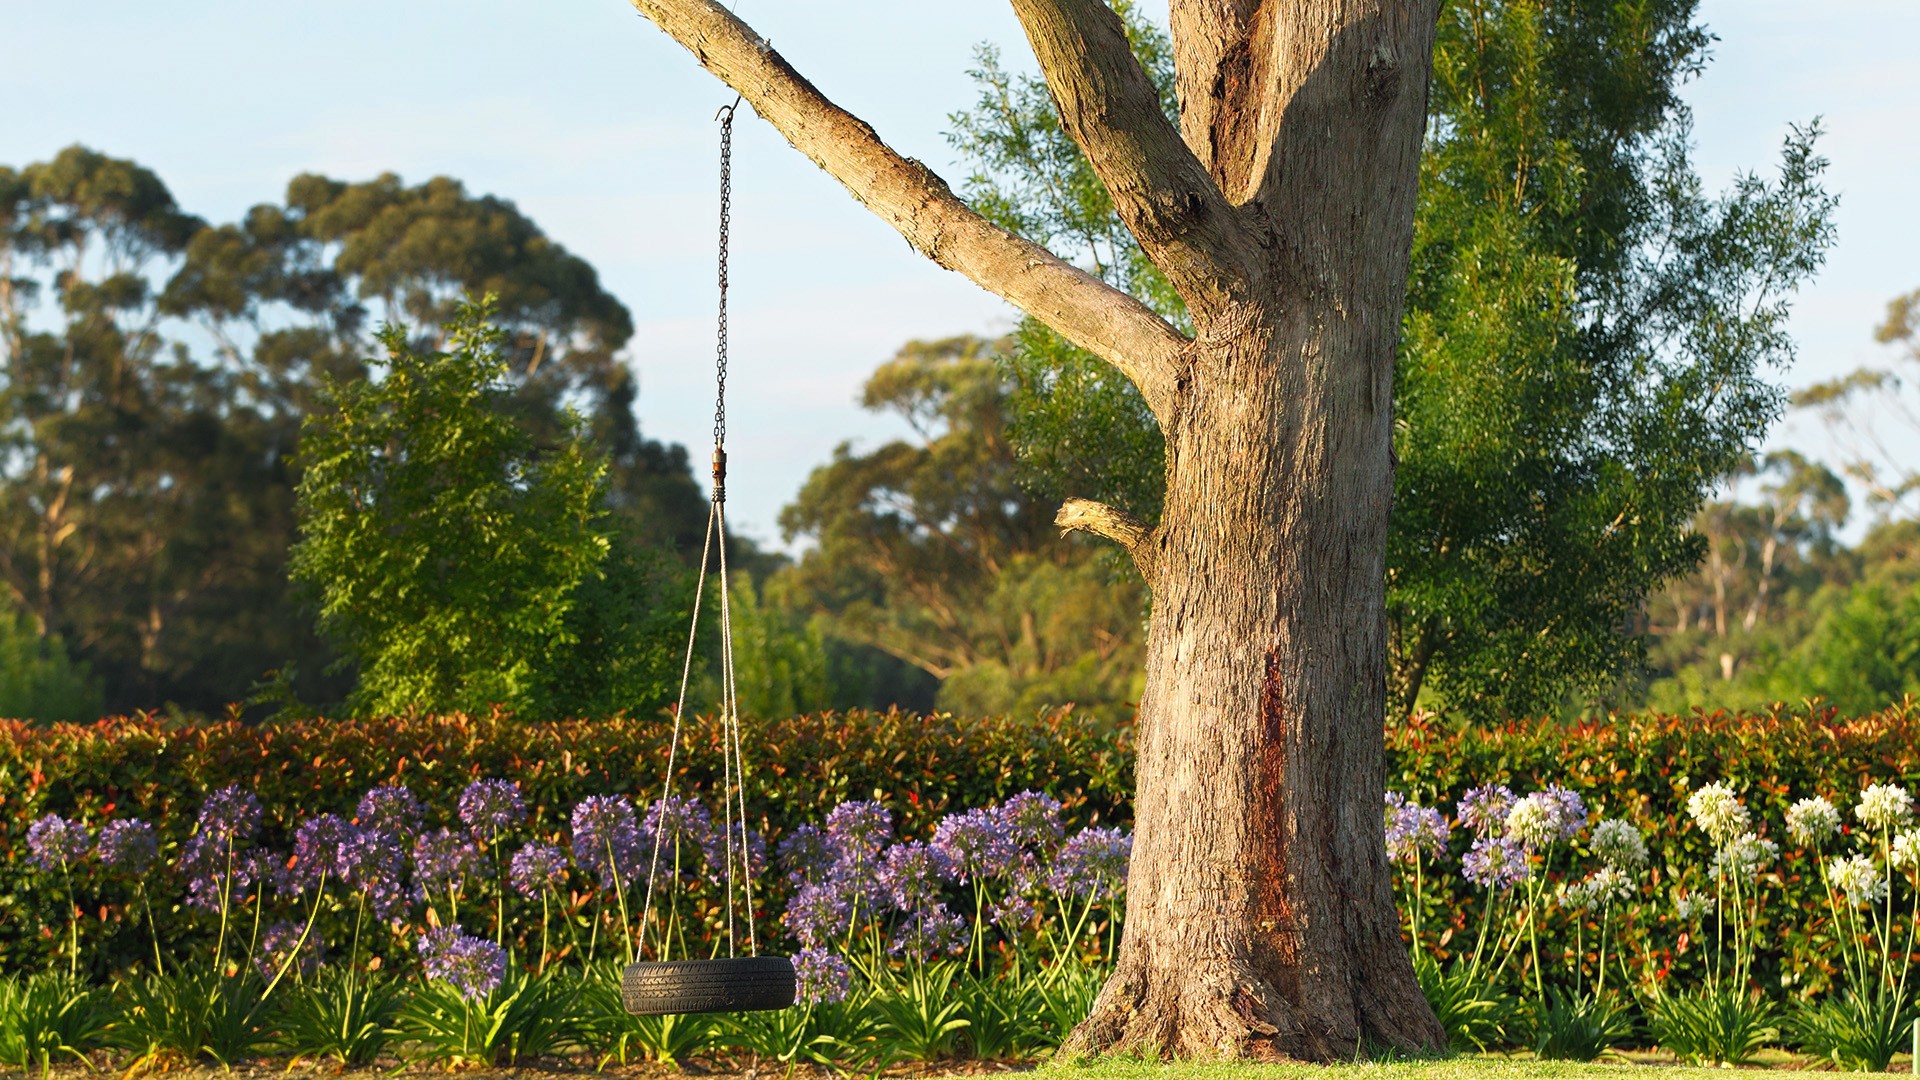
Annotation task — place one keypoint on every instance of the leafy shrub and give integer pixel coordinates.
(191, 1016)
(161, 769)
(1643, 769)
(48, 1018)
(340, 1014)
(525, 1016)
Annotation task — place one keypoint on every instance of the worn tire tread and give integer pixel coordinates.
(738, 984)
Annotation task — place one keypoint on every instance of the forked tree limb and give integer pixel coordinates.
(1112, 523)
(1161, 190)
(907, 195)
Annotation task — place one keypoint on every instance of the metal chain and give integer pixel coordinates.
(720, 357)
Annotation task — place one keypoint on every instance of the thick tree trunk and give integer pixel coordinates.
(1260, 914)
(1260, 911)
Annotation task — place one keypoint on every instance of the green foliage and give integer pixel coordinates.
(339, 1014)
(1585, 353)
(836, 1033)
(1578, 1027)
(37, 679)
(1472, 1016)
(1713, 1025)
(799, 767)
(50, 1017)
(918, 1015)
(781, 661)
(155, 371)
(192, 1016)
(932, 552)
(1780, 613)
(614, 1036)
(526, 1016)
(451, 555)
(1858, 1031)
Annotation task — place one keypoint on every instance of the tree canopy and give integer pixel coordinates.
(158, 369)
(931, 552)
(1590, 341)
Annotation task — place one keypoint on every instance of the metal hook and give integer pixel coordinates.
(727, 110)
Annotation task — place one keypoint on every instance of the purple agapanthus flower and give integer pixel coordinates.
(816, 914)
(1570, 810)
(316, 850)
(1032, 820)
(373, 865)
(128, 845)
(1092, 862)
(1013, 912)
(271, 870)
(911, 872)
(606, 839)
(859, 830)
(823, 977)
(443, 860)
(676, 819)
(977, 846)
(721, 866)
(491, 807)
(1484, 809)
(537, 868)
(276, 949)
(930, 932)
(473, 965)
(57, 843)
(229, 817)
(392, 809)
(215, 873)
(1415, 830)
(1496, 863)
(807, 853)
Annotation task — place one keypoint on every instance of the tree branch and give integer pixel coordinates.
(908, 196)
(1161, 190)
(1099, 519)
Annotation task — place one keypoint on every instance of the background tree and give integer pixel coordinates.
(932, 553)
(37, 679)
(1570, 384)
(1874, 414)
(455, 560)
(158, 368)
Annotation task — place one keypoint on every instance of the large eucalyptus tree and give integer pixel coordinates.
(1260, 918)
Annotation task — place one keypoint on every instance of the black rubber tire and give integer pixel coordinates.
(740, 984)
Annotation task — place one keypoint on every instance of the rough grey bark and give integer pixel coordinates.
(1260, 915)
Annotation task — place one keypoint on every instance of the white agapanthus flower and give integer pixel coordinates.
(1602, 887)
(1619, 845)
(1690, 906)
(1534, 821)
(1856, 876)
(1811, 822)
(1884, 806)
(1745, 855)
(1717, 810)
(1906, 850)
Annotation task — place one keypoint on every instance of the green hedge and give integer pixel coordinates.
(159, 769)
(1642, 767)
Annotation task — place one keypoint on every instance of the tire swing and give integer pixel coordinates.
(752, 982)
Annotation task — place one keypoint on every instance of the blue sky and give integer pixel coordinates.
(602, 130)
